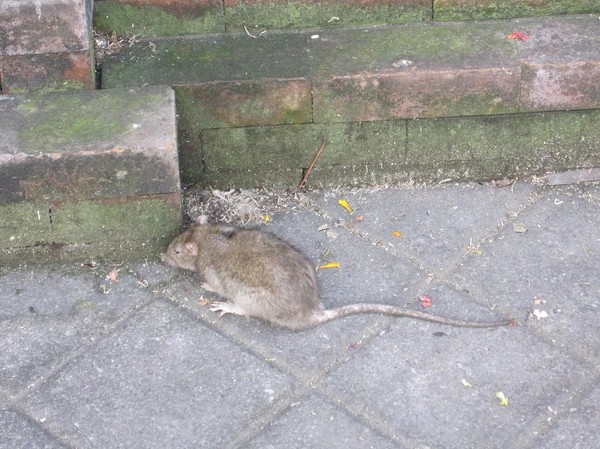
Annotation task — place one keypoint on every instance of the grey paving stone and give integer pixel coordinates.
(436, 223)
(18, 431)
(46, 313)
(316, 424)
(163, 380)
(553, 267)
(413, 380)
(575, 427)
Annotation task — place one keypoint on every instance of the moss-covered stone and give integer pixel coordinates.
(229, 57)
(64, 119)
(255, 155)
(244, 103)
(149, 20)
(528, 143)
(130, 229)
(506, 9)
(432, 93)
(293, 14)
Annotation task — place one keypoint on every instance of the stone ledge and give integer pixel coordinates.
(168, 17)
(89, 172)
(393, 151)
(382, 73)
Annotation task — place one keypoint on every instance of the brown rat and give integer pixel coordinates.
(263, 276)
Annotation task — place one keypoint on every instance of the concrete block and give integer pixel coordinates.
(88, 171)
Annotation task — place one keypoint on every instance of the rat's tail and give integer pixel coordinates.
(354, 309)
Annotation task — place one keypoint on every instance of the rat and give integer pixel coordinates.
(265, 277)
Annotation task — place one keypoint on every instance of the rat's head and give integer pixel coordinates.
(182, 252)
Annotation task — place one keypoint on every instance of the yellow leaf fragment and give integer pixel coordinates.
(397, 234)
(472, 249)
(466, 383)
(345, 205)
(503, 399)
(266, 219)
(330, 265)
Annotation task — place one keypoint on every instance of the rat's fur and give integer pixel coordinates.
(262, 276)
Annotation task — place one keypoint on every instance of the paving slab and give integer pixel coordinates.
(558, 240)
(418, 380)
(107, 355)
(147, 380)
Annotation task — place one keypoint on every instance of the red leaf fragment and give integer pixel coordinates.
(425, 301)
(518, 35)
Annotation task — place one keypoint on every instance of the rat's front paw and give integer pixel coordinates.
(223, 308)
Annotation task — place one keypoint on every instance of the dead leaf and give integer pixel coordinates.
(425, 301)
(329, 265)
(503, 398)
(519, 228)
(345, 205)
(539, 314)
(112, 276)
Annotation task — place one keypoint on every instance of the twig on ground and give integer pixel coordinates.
(310, 167)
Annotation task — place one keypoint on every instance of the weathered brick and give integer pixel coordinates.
(159, 17)
(417, 93)
(258, 14)
(505, 9)
(278, 155)
(565, 86)
(78, 169)
(525, 143)
(180, 8)
(244, 103)
(43, 26)
(51, 71)
(45, 44)
(561, 64)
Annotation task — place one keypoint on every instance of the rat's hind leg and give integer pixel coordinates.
(226, 307)
(207, 287)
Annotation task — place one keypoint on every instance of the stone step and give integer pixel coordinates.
(402, 102)
(168, 17)
(88, 174)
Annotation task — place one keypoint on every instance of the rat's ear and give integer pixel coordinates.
(201, 220)
(192, 248)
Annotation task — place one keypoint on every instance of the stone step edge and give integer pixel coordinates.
(557, 68)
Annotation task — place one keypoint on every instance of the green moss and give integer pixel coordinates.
(319, 15)
(505, 9)
(87, 229)
(149, 20)
(62, 86)
(541, 141)
(57, 120)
